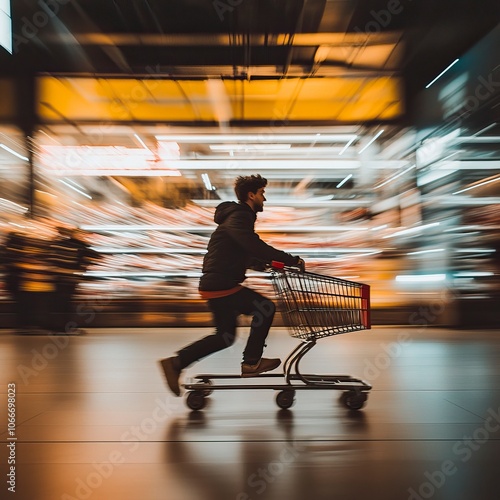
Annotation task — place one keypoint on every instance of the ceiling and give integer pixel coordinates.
(238, 62)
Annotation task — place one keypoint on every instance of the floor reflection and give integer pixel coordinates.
(268, 462)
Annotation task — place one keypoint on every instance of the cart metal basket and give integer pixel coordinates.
(312, 306)
(315, 306)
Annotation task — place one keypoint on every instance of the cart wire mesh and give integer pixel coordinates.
(315, 306)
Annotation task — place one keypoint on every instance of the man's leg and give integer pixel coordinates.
(225, 315)
(262, 311)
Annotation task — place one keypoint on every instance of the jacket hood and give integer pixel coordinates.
(225, 209)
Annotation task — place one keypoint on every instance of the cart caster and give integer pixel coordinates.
(285, 399)
(353, 400)
(196, 400)
(208, 382)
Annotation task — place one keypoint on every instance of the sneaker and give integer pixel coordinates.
(172, 371)
(264, 365)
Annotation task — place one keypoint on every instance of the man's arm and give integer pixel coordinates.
(239, 227)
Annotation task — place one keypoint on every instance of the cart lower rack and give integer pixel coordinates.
(313, 306)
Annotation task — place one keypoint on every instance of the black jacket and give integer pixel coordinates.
(234, 246)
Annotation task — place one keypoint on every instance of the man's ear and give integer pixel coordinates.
(251, 196)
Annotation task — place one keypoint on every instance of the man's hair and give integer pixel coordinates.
(248, 184)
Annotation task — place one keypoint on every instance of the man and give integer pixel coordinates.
(233, 247)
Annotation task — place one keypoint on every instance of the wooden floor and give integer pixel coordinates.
(95, 421)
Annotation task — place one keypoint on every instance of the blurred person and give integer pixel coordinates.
(34, 282)
(11, 258)
(70, 257)
(233, 247)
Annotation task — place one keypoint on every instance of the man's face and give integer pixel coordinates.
(258, 200)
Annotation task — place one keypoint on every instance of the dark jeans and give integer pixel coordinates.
(225, 311)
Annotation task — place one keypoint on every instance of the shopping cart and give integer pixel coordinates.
(312, 306)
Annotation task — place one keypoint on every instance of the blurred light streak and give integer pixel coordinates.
(344, 149)
(412, 230)
(442, 73)
(343, 181)
(420, 252)
(11, 151)
(419, 278)
(472, 274)
(394, 177)
(153, 227)
(9, 203)
(75, 189)
(477, 185)
(141, 142)
(75, 183)
(371, 141)
(465, 200)
(475, 250)
(485, 129)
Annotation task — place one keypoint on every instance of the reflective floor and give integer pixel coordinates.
(95, 420)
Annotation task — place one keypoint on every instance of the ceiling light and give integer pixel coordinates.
(374, 138)
(260, 138)
(418, 278)
(206, 181)
(264, 164)
(442, 73)
(249, 147)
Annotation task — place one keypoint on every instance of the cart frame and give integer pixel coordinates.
(306, 301)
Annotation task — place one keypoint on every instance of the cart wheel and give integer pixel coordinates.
(353, 400)
(196, 400)
(207, 392)
(285, 399)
